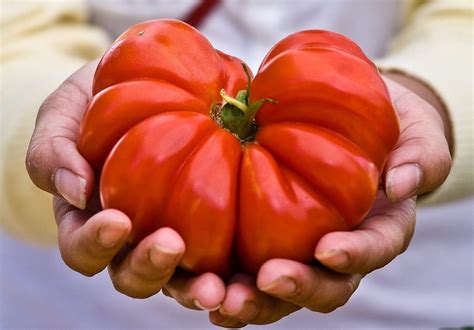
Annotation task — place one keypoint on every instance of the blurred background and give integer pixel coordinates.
(43, 42)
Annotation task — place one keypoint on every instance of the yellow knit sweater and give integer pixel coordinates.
(43, 42)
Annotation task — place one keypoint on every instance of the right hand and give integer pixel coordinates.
(90, 239)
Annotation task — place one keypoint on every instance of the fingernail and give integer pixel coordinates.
(111, 234)
(283, 285)
(71, 187)
(162, 257)
(211, 309)
(403, 181)
(334, 258)
(247, 311)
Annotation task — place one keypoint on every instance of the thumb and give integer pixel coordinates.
(52, 159)
(421, 161)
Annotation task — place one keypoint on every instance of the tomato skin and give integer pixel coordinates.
(149, 50)
(124, 105)
(316, 39)
(312, 168)
(311, 78)
(333, 165)
(139, 172)
(281, 215)
(202, 204)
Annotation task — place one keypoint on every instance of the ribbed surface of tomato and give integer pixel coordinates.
(312, 168)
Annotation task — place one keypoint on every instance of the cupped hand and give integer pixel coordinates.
(89, 239)
(419, 164)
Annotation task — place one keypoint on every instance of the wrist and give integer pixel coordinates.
(426, 92)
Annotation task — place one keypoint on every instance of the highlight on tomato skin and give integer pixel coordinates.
(245, 168)
(115, 106)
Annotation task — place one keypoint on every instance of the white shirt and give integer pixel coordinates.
(248, 28)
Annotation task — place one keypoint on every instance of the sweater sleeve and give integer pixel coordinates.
(436, 46)
(42, 43)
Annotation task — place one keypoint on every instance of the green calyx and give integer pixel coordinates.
(238, 115)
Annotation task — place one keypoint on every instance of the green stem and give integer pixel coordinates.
(235, 102)
(237, 115)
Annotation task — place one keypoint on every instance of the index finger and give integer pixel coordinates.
(89, 242)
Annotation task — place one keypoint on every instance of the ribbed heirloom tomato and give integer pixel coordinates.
(245, 172)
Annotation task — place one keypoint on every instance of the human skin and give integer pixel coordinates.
(91, 239)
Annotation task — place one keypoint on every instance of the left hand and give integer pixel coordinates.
(420, 163)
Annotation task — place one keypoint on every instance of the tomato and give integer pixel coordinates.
(244, 169)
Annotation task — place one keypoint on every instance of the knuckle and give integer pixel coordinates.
(67, 94)
(406, 242)
(265, 315)
(71, 87)
(322, 307)
(141, 294)
(307, 291)
(71, 259)
(445, 163)
(345, 290)
(94, 251)
(409, 231)
(405, 246)
(78, 267)
(120, 282)
(325, 309)
(125, 283)
(268, 310)
(57, 114)
(87, 272)
(44, 151)
(272, 316)
(395, 243)
(388, 247)
(284, 310)
(436, 161)
(348, 288)
(46, 106)
(133, 292)
(60, 208)
(229, 323)
(332, 306)
(33, 160)
(77, 253)
(395, 237)
(146, 270)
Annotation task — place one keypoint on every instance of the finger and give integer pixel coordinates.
(421, 160)
(205, 291)
(245, 303)
(149, 266)
(315, 288)
(52, 160)
(380, 238)
(223, 321)
(220, 320)
(89, 242)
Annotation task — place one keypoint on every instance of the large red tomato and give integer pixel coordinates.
(263, 174)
